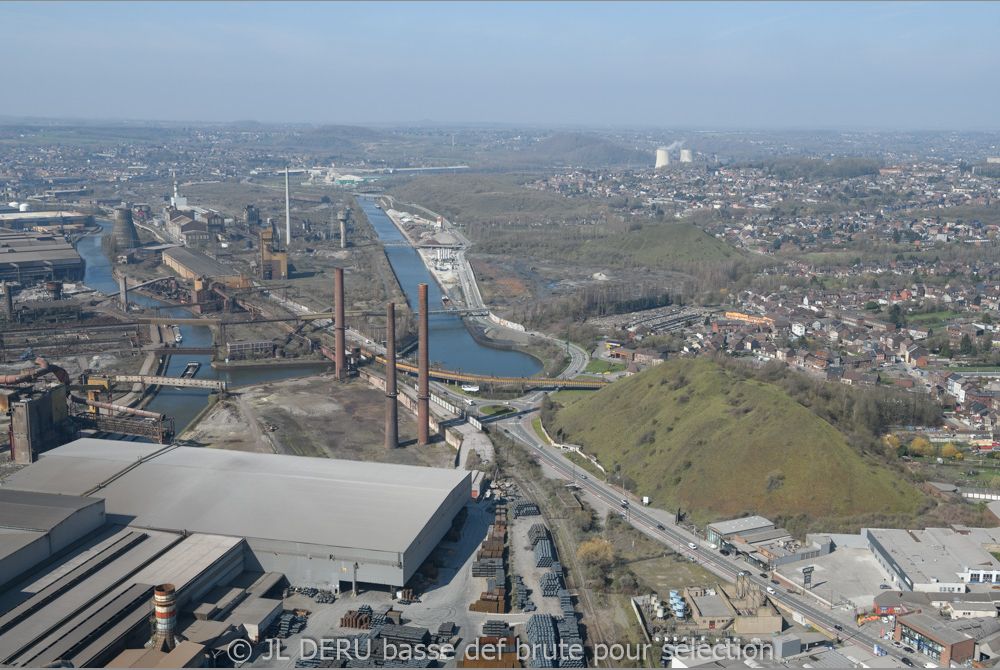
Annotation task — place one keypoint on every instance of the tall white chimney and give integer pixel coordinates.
(288, 213)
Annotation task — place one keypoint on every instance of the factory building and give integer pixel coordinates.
(273, 260)
(322, 522)
(190, 264)
(28, 258)
(939, 560)
(32, 220)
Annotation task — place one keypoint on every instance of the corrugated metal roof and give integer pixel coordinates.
(33, 511)
(319, 501)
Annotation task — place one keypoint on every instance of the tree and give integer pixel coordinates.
(921, 446)
(949, 450)
(965, 347)
(597, 553)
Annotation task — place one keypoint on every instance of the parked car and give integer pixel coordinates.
(907, 662)
(724, 552)
(770, 589)
(884, 587)
(763, 575)
(692, 545)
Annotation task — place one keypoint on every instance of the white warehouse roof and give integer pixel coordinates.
(337, 503)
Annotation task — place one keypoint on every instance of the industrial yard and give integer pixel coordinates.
(312, 417)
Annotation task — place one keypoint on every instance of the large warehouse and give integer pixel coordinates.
(27, 257)
(322, 522)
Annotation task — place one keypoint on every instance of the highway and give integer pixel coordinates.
(660, 525)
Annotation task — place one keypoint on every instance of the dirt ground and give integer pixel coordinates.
(313, 416)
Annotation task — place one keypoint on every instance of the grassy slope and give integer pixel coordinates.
(717, 442)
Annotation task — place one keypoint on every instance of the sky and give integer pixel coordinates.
(893, 65)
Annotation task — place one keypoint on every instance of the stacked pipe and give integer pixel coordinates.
(338, 323)
(423, 372)
(391, 407)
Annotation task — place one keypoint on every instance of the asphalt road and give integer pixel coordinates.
(659, 525)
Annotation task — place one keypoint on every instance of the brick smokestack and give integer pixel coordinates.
(338, 322)
(391, 406)
(423, 372)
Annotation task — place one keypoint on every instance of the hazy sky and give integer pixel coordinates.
(871, 65)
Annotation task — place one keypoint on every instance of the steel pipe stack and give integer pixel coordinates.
(391, 407)
(423, 372)
(338, 323)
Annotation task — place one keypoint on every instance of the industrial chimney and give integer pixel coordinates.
(342, 217)
(391, 403)
(125, 235)
(288, 213)
(123, 292)
(423, 371)
(164, 636)
(338, 323)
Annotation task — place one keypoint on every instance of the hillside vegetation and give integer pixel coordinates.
(693, 434)
(473, 198)
(661, 245)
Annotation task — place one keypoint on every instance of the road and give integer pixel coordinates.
(659, 525)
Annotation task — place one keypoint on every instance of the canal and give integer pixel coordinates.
(451, 345)
(182, 404)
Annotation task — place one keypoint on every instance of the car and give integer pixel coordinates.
(837, 626)
(909, 650)
(660, 526)
(742, 573)
(763, 575)
(584, 477)
(906, 661)
(692, 545)
(775, 582)
(724, 552)
(770, 589)
(884, 587)
(624, 502)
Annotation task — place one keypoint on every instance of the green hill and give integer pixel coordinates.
(689, 433)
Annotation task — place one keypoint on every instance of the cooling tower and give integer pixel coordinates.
(125, 234)
(662, 157)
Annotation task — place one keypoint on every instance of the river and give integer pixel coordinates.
(182, 404)
(451, 345)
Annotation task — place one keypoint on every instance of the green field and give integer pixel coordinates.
(690, 433)
(599, 367)
(493, 410)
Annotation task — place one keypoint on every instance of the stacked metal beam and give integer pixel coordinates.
(495, 628)
(490, 568)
